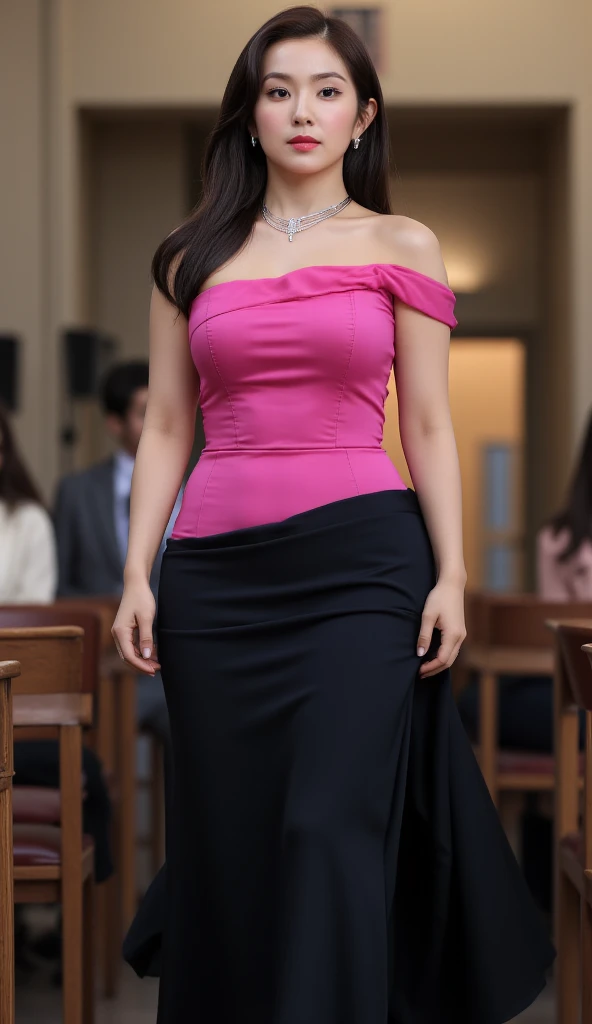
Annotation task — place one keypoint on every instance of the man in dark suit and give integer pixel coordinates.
(92, 519)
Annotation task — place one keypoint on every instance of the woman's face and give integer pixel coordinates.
(307, 90)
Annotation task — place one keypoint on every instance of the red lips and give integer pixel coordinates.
(303, 138)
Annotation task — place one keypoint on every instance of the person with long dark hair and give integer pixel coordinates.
(564, 543)
(333, 856)
(28, 557)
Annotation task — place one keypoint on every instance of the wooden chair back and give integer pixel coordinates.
(507, 634)
(105, 607)
(19, 616)
(51, 683)
(573, 638)
(517, 620)
(572, 690)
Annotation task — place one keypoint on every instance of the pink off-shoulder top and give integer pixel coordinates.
(293, 380)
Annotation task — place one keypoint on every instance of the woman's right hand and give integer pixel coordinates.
(132, 629)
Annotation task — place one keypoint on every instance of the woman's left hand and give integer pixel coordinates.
(443, 610)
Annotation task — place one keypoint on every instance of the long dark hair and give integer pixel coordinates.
(16, 484)
(576, 516)
(235, 174)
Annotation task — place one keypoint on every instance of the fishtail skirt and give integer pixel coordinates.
(333, 855)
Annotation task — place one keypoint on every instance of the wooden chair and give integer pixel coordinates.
(41, 805)
(586, 698)
(506, 634)
(9, 670)
(116, 741)
(573, 842)
(117, 749)
(56, 864)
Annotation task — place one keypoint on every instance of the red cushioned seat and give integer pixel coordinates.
(36, 805)
(40, 845)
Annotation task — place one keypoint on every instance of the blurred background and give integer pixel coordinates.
(104, 112)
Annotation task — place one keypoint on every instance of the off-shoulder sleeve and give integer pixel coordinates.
(421, 292)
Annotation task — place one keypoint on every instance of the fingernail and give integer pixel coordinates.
(146, 652)
(421, 651)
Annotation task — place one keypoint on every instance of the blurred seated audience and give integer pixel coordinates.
(29, 575)
(564, 573)
(92, 522)
(28, 561)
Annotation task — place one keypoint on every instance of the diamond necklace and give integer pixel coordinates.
(293, 224)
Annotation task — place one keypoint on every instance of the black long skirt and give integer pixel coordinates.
(333, 855)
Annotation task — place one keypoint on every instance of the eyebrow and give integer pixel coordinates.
(314, 78)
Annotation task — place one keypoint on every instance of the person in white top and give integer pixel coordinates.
(28, 557)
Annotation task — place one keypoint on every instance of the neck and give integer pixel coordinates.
(298, 196)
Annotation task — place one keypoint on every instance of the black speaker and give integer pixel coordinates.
(88, 353)
(9, 370)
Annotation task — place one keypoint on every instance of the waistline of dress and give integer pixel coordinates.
(343, 513)
(297, 451)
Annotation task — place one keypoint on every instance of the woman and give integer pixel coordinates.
(564, 544)
(28, 559)
(333, 856)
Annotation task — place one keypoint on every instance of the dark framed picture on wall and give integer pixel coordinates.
(368, 22)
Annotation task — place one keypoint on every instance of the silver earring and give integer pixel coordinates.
(253, 140)
(356, 143)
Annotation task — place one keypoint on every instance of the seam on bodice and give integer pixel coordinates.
(351, 351)
(288, 449)
(222, 381)
(203, 496)
(352, 471)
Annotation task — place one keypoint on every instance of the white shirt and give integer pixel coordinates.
(28, 558)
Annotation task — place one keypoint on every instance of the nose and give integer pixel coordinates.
(301, 115)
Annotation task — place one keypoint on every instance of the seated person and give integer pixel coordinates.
(28, 560)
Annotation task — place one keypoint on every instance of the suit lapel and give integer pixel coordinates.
(104, 501)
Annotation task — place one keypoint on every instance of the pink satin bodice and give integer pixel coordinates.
(293, 380)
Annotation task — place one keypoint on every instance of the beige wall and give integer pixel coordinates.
(182, 52)
(137, 197)
(23, 226)
(56, 58)
(489, 227)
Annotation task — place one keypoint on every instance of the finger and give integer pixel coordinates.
(130, 655)
(431, 668)
(145, 641)
(444, 659)
(425, 634)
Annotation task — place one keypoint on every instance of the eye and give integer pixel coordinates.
(326, 89)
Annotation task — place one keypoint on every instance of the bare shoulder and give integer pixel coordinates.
(411, 244)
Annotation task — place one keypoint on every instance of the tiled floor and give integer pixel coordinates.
(37, 1001)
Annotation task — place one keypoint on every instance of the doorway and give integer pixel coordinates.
(487, 381)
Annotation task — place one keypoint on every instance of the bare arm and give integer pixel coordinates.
(427, 437)
(163, 453)
(167, 435)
